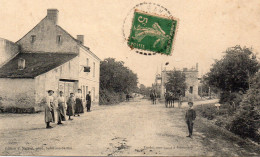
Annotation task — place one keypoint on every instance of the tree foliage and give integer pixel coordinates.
(114, 76)
(116, 81)
(176, 82)
(247, 119)
(232, 72)
(144, 90)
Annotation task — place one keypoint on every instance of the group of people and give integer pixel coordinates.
(170, 98)
(72, 107)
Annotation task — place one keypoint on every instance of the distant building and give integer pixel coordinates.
(47, 57)
(192, 82)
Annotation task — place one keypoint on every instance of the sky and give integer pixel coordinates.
(206, 29)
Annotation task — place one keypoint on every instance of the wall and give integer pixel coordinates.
(87, 80)
(46, 39)
(50, 80)
(14, 90)
(192, 81)
(8, 50)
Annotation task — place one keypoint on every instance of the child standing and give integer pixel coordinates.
(190, 117)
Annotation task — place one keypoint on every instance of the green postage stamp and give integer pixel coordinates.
(152, 32)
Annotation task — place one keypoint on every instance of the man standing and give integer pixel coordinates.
(88, 99)
(190, 116)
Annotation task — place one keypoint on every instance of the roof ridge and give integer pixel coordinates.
(43, 52)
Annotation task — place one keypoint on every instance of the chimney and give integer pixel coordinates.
(80, 38)
(52, 15)
(21, 63)
(197, 66)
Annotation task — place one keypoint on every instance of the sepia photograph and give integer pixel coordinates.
(130, 78)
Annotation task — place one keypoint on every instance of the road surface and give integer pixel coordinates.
(132, 128)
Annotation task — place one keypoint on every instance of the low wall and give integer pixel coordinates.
(17, 92)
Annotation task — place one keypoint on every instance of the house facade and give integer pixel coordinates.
(47, 57)
(192, 82)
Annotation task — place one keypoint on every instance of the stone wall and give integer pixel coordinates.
(17, 92)
(51, 79)
(46, 34)
(192, 82)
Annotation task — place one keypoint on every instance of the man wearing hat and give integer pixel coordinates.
(190, 116)
(49, 109)
(88, 99)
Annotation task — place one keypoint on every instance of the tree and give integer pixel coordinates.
(205, 89)
(233, 71)
(176, 82)
(144, 90)
(115, 76)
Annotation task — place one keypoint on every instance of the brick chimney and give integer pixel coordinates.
(80, 38)
(52, 15)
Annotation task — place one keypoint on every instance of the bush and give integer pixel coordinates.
(230, 98)
(107, 97)
(209, 112)
(246, 122)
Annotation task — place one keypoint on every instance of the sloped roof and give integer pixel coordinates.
(35, 64)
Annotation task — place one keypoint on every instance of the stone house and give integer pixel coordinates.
(47, 57)
(192, 82)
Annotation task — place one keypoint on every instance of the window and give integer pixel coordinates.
(191, 89)
(87, 61)
(58, 40)
(33, 37)
(94, 69)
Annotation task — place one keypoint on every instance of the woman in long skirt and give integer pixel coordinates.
(49, 109)
(78, 105)
(60, 108)
(70, 106)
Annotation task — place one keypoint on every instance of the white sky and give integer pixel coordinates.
(206, 29)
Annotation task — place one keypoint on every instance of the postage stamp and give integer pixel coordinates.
(152, 32)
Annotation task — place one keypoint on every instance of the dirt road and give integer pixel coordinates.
(133, 128)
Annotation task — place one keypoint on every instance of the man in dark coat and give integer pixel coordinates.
(88, 99)
(166, 96)
(190, 116)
